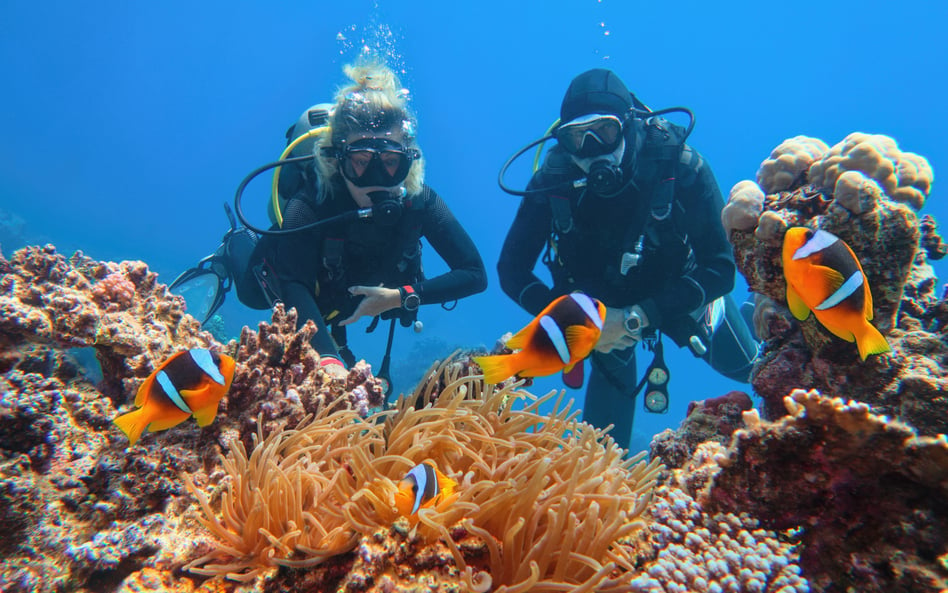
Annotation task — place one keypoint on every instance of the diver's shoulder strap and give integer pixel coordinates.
(661, 153)
(557, 168)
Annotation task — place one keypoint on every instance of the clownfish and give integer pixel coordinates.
(563, 334)
(824, 276)
(189, 383)
(421, 488)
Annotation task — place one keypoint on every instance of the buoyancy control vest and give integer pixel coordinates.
(650, 245)
(366, 253)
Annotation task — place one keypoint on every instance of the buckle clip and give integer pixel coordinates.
(629, 261)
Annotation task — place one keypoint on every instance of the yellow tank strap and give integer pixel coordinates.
(536, 158)
(274, 191)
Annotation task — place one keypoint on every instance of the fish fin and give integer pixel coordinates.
(133, 424)
(580, 340)
(208, 394)
(497, 368)
(829, 277)
(141, 396)
(799, 309)
(168, 422)
(206, 415)
(445, 484)
(840, 332)
(869, 312)
(871, 341)
(520, 339)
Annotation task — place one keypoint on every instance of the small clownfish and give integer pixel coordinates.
(189, 383)
(563, 334)
(824, 276)
(422, 487)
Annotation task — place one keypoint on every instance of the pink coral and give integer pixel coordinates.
(115, 289)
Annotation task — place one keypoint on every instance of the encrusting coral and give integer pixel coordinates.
(544, 502)
(868, 492)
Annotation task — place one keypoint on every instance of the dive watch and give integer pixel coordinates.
(633, 322)
(410, 299)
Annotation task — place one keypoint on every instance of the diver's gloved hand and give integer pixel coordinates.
(377, 300)
(615, 334)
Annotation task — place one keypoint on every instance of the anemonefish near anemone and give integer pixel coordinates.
(422, 487)
(189, 383)
(563, 334)
(825, 277)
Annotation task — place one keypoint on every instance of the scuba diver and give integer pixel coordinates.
(626, 212)
(349, 209)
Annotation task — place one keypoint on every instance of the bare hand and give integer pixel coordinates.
(614, 336)
(377, 301)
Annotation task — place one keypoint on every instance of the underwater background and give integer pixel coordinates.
(126, 125)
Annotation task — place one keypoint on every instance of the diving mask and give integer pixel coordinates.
(590, 135)
(376, 162)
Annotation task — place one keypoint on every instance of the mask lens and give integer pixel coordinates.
(376, 162)
(392, 160)
(359, 161)
(590, 136)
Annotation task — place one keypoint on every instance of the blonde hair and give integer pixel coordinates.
(374, 102)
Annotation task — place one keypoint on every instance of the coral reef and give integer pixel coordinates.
(292, 487)
(713, 420)
(81, 510)
(119, 309)
(700, 552)
(864, 190)
(904, 176)
(788, 162)
(870, 494)
(279, 380)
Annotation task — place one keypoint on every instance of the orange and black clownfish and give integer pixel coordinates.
(189, 383)
(824, 276)
(421, 488)
(563, 334)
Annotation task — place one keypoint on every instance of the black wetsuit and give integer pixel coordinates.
(672, 280)
(316, 267)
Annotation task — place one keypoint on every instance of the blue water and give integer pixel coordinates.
(124, 126)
